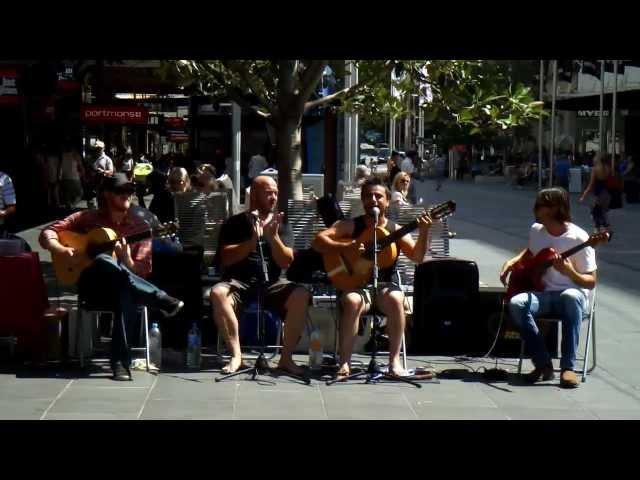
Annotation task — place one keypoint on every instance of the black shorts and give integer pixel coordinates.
(275, 295)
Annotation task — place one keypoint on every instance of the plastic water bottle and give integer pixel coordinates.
(194, 343)
(155, 346)
(315, 351)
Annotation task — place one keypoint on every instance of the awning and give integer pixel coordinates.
(626, 100)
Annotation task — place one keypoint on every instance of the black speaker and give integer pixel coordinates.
(444, 303)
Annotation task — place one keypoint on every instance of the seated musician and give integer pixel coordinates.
(565, 286)
(115, 284)
(240, 261)
(343, 235)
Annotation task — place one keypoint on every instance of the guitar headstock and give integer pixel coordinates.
(442, 210)
(599, 237)
(168, 229)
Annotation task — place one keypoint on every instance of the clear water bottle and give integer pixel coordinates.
(194, 344)
(315, 351)
(155, 346)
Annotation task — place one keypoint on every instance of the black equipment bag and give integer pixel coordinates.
(329, 209)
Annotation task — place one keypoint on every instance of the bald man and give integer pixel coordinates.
(240, 261)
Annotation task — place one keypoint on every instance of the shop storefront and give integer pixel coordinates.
(119, 126)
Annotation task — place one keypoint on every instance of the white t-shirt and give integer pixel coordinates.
(256, 165)
(407, 166)
(398, 197)
(104, 162)
(583, 261)
(127, 164)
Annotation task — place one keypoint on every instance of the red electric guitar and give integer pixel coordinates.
(526, 274)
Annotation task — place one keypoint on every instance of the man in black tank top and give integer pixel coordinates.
(242, 237)
(390, 299)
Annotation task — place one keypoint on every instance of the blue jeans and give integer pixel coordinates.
(108, 285)
(569, 304)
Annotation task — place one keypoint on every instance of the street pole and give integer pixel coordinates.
(613, 113)
(553, 122)
(355, 144)
(601, 118)
(346, 173)
(392, 122)
(236, 142)
(421, 131)
(540, 126)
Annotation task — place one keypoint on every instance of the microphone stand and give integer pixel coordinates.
(261, 364)
(373, 372)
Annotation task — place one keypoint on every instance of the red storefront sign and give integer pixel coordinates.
(114, 114)
(8, 87)
(176, 123)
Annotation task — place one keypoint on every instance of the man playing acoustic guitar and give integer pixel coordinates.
(107, 283)
(566, 285)
(343, 235)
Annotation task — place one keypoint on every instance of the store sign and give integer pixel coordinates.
(114, 114)
(8, 86)
(176, 123)
(592, 113)
(177, 136)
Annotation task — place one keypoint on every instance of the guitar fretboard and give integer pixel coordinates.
(108, 246)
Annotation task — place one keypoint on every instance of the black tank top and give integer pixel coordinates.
(359, 226)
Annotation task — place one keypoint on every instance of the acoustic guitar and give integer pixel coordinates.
(97, 241)
(526, 274)
(350, 268)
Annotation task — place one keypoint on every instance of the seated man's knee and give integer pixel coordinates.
(352, 301)
(572, 295)
(519, 302)
(300, 296)
(219, 295)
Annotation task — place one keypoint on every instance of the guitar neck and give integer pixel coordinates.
(394, 236)
(108, 246)
(568, 253)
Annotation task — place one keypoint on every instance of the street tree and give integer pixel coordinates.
(476, 98)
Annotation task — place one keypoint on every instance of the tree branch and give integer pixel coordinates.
(310, 78)
(251, 81)
(329, 98)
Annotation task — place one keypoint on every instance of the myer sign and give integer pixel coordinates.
(592, 113)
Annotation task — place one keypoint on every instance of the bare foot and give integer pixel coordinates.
(233, 365)
(395, 368)
(343, 371)
(289, 366)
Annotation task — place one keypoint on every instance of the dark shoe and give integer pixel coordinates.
(545, 374)
(120, 373)
(569, 379)
(170, 306)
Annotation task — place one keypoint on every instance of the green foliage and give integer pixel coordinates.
(479, 99)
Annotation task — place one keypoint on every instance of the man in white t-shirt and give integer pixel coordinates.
(565, 286)
(103, 164)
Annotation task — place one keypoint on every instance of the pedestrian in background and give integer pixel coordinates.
(7, 201)
(71, 174)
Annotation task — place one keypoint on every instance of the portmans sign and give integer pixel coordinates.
(114, 114)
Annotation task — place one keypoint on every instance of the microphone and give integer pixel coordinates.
(375, 211)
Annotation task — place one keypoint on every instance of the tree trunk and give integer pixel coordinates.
(289, 162)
